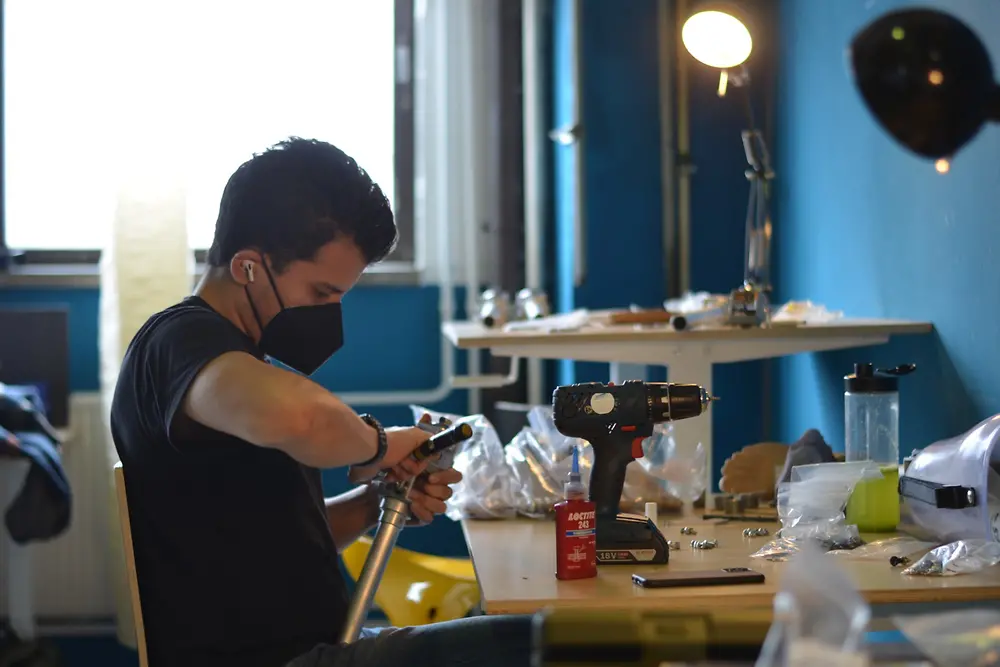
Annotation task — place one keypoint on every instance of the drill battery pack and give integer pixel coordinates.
(630, 539)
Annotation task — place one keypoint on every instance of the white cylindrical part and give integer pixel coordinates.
(651, 512)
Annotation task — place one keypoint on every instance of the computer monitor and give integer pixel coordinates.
(34, 350)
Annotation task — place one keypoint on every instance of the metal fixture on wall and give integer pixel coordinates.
(572, 134)
(684, 166)
(668, 151)
(928, 80)
(533, 89)
(717, 38)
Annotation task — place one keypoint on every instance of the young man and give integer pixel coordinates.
(236, 548)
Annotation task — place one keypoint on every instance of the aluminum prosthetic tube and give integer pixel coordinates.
(395, 512)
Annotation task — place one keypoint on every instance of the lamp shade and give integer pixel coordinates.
(717, 38)
(927, 78)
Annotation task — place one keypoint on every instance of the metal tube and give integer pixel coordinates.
(534, 166)
(684, 150)
(395, 512)
(668, 151)
(534, 133)
(463, 26)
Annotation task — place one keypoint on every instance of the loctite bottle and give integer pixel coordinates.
(576, 529)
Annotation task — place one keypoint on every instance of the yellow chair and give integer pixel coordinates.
(417, 588)
(133, 580)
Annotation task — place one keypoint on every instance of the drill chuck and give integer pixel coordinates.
(671, 401)
(582, 410)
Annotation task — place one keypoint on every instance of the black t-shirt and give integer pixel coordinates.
(234, 556)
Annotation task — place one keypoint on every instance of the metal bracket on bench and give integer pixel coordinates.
(489, 381)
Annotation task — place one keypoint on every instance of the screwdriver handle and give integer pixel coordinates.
(443, 440)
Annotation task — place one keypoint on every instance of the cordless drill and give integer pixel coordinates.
(615, 419)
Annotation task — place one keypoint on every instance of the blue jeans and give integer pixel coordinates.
(480, 641)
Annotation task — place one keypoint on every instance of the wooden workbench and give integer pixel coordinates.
(515, 565)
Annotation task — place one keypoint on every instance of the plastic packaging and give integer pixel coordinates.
(962, 557)
(818, 494)
(576, 529)
(967, 462)
(554, 444)
(966, 638)
(819, 616)
(811, 509)
(683, 477)
(805, 312)
(885, 549)
(537, 483)
(526, 477)
(540, 458)
(486, 490)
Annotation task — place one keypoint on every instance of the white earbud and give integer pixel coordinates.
(248, 267)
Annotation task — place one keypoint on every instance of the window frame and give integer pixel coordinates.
(28, 264)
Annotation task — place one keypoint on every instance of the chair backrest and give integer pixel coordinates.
(133, 580)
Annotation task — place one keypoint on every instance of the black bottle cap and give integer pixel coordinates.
(867, 380)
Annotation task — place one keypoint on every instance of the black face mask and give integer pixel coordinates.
(302, 337)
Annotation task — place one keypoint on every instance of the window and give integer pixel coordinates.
(86, 83)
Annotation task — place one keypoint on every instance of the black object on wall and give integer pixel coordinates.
(927, 78)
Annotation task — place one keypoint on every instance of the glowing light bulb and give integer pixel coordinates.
(942, 166)
(717, 39)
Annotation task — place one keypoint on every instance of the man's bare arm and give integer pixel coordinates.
(352, 514)
(270, 407)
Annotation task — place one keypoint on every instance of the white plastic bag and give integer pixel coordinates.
(966, 638)
(902, 547)
(811, 508)
(962, 557)
(966, 464)
(819, 617)
(683, 476)
(538, 482)
(486, 490)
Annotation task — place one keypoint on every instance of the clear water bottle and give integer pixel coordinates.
(871, 428)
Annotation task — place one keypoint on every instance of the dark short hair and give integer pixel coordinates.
(296, 197)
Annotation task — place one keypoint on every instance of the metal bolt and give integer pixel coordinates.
(896, 561)
(673, 545)
(755, 532)
(704, 544)
(688, 530)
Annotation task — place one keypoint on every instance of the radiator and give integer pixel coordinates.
(73, 573)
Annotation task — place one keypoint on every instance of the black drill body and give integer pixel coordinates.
(615, 419)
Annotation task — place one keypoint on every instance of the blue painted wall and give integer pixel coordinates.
(866, 227)
(622, 171)
(620, 155)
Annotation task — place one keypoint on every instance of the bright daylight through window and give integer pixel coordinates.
(87, 84)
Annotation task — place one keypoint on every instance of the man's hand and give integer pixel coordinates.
(429, 493)
(402, 440)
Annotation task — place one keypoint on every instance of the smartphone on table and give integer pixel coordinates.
(726, 576)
